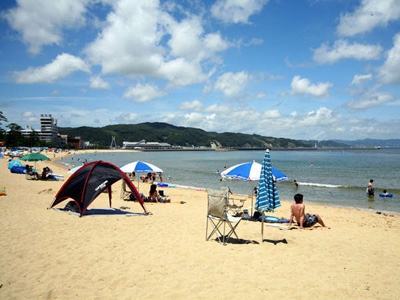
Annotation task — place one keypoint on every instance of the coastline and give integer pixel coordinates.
(47, 254)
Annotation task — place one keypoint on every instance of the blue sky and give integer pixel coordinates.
(302, 69)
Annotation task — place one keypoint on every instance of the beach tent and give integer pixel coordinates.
(90, 181)
(15, 163)
(1, 155)
(16, 167)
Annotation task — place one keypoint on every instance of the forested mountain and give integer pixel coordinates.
(177, 136)
(101, 137)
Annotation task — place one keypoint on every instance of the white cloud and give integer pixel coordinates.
(218, 109)
(142, 40)
(389, 73)
(41, 22)
(360, 79)
(321, 117)
(129, 43)
(194, 105)
(189, 41)
(98, 83)
(232, 84)
(62, 66)
(181, 72)
(342, 49)
(272, 114)
(370, 14)
(233, 11)
(194, 117)
(126, 118)
(370, 99)
(143, 93)
(303, 86)
(260, 95)
(30, 116)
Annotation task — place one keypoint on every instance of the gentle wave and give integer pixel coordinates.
(320, 184)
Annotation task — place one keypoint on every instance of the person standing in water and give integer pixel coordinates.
(296, 185)
(370, 188)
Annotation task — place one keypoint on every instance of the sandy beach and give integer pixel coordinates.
(48, 254)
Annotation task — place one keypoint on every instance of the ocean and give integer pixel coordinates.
(326, 177)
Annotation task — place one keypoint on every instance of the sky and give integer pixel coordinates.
(299, 69)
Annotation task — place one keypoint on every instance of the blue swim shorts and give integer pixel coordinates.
(310, 220)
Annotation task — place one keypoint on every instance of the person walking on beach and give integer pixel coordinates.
(370, 188)
(302, 218)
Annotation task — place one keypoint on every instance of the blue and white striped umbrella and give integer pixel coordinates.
(267, 196)
(250, 171)
(140, 167)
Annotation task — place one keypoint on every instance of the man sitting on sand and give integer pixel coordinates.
(298, 211)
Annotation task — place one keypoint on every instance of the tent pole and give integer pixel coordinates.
(109, 194)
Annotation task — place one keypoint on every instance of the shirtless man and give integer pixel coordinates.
(370, 188)
(298, 211)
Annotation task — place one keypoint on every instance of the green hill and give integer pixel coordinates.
(177, 136)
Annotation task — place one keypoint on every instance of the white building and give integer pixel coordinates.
(143, 145)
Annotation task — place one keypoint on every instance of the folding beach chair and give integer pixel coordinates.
(125, 193)
(222, 224)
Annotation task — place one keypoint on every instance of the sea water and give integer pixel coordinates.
(328, 177)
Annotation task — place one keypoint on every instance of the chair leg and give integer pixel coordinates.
(232, 231)
(216, 229)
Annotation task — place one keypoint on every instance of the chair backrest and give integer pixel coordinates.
(217, 202)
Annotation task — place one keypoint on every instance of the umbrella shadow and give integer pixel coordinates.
(275, 242)
(235, 241)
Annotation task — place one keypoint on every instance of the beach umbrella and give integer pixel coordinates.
(251, 171)
(140, 167)
(34, 157)
(267, 196)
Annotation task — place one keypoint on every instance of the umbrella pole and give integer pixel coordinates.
(262, 228)
(252, 203)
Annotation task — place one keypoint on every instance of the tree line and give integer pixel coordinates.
(101, 137)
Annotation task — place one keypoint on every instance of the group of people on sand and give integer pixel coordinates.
(47, 173)
(154, 196)
(151, 177)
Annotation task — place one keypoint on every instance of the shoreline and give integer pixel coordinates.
(92, 151)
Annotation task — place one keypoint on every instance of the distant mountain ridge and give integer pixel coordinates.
(371, 143)
(177, 136)
(193, 137)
